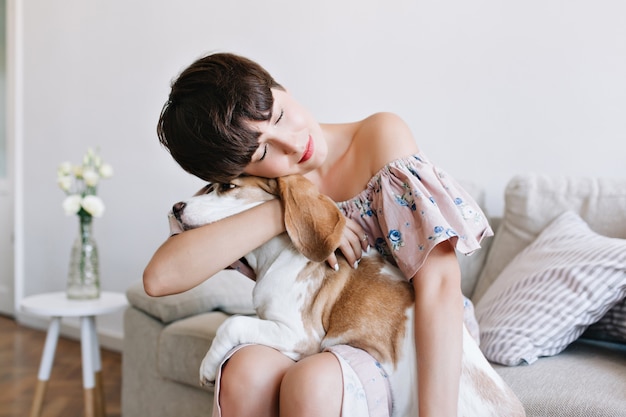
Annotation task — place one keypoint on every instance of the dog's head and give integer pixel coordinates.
(313, 221)
(217, 201)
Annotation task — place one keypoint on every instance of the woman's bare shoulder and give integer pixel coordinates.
(384, 137)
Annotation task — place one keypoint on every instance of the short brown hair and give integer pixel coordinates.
(205, 122)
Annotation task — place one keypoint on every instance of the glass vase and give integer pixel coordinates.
(83, 280)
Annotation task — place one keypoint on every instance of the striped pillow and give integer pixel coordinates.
(548, 295)
(612, 326)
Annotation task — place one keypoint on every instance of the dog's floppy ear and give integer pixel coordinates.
(313, 221)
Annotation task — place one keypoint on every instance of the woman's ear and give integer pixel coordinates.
(313, 221)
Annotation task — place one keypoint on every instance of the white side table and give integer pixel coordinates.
(56, 305)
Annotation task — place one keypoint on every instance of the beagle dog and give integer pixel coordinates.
(303, 306)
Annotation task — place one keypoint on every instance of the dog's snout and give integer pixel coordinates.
(178, 208)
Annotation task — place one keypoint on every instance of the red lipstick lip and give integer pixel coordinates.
(308, 152)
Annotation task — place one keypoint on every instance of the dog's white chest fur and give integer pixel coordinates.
(278, 294)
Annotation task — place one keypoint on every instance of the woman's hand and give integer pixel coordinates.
(353, 243)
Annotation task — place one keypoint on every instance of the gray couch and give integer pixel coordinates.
(166, 338)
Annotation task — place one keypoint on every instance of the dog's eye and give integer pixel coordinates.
(226, 186)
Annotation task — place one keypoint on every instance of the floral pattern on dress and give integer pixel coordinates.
(410, 206)
(382, 247)
(440, 231)
(364, 208)
(407, 199)
(468, 211)
(395, 239)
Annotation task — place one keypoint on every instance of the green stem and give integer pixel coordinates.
(85, 236)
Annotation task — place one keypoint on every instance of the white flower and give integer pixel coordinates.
(71, 204)
(93, 205)
(65, 182)
(79, 182)
(78, 171)
(64, 169)
(106, 171)
(91, 177)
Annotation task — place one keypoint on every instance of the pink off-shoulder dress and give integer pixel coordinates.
(407, 208)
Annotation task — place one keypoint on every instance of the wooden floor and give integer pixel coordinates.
(20, 353)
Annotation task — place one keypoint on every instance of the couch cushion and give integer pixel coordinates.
(548, 295)
(183, 344)
(586, 380)
(227, 291)
(532, 201)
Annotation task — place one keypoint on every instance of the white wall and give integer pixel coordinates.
(490, 89)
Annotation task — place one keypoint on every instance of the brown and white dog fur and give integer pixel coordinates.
(303, 306)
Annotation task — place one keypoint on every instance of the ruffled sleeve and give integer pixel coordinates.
(410, 206)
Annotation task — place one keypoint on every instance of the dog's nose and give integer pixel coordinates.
(178, 208)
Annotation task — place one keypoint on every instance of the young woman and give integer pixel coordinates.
(225, 117)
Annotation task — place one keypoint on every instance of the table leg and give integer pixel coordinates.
(97, 366)
(45, 367)
(100, 410)
(87, 328)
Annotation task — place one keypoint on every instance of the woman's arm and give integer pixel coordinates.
(439, 332)
(189, 258)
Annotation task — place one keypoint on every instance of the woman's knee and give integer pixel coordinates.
(253, 373)
(313, 386)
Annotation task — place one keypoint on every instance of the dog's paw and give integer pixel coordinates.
(207, 383)
(208, 373)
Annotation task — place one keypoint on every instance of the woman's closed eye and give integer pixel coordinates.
(264, 152)
(265, 145)
(280, 116)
